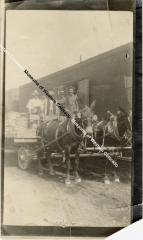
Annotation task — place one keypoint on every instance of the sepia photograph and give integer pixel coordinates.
(68, 118)
(120, 5)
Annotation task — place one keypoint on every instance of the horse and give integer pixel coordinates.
(112, 130)
(88, 118)
(115, 131)
(64, 137)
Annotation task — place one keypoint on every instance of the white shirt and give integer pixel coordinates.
(34, 103)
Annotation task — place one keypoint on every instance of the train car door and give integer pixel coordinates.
(83, 92)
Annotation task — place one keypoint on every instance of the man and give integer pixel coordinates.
(51, 111)
(92, 106)
(122, 121)
(34, 107)
(48, 107)
(72, 103)
(62, 101)
(44, 107)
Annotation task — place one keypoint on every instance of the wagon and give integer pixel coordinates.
(29, 147)
(28, 150)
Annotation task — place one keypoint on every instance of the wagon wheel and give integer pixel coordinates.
(24, 158)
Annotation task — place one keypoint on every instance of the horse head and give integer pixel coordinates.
(77, 127)
(87, 120)
(124, 127)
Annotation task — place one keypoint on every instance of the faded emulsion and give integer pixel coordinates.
(68, 131)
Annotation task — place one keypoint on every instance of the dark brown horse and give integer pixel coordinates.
(114, 130)
(63, 137)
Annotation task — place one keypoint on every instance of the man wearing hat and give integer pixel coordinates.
(34, 107)
(72, 102)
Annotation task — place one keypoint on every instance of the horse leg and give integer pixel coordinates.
(115, 173)
(51, 169)
(106, 173)
(63, 156)
(40, 167)
(41, 158)
(68, 162)
(85, 142)
(103, 139)
(116, 176)
(76, 167)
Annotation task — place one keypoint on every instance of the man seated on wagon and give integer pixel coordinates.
(34, 107)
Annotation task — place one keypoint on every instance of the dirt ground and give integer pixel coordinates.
(45, 201)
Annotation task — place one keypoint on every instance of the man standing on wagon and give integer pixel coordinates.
(34, 107)
(72, 103)
(62, 101)
(49, 109)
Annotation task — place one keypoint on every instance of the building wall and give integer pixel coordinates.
(106, 78)
(12, 100)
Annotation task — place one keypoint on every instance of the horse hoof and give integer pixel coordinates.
(78, 180)
(107, 181)
(67, 182)
(40, 173)
(117, 180)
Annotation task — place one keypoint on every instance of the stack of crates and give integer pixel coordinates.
(10, 124)
(16, 125)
